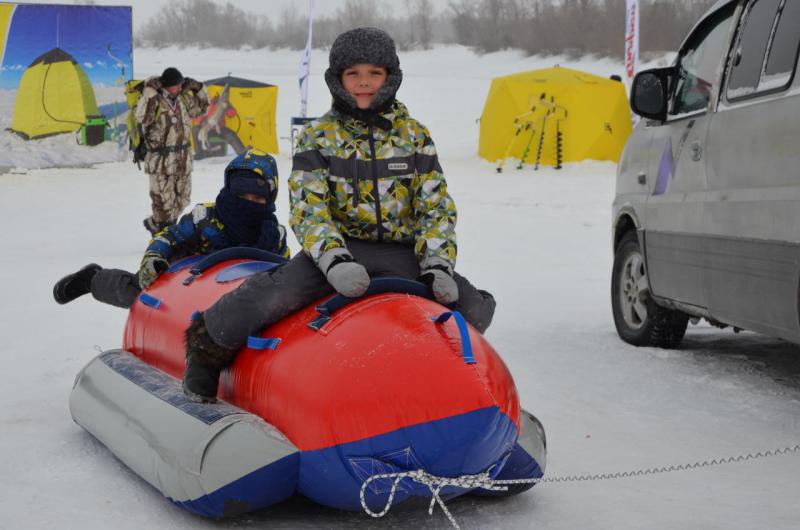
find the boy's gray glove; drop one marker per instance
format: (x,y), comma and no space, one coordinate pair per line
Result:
(440,279)
(348,277)
(151,268)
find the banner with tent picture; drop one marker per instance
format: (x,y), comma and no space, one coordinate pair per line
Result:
(63,70)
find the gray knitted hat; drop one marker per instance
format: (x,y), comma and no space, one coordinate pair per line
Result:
(363,45)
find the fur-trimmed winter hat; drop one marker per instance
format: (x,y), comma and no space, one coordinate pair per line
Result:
(363,45)
(171,77)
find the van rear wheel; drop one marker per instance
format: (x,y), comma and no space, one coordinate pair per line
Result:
(638,319)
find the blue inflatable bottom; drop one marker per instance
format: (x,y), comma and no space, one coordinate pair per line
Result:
(334,476)
(261,488)
(324,477)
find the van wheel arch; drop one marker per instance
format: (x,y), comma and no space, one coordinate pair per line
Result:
(637,317)
(625,223)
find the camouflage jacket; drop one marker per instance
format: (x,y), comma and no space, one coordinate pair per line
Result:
(167,125)
(373,184)
(199,232)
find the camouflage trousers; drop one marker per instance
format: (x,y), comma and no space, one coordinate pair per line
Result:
(170,195)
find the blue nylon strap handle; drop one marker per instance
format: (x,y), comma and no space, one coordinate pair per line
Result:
(318,322)
(150,301)
(184,263)
(242,270)
(262,343)
(376,286)
(466,344)
(236,253)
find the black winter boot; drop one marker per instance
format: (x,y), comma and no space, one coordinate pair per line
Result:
(204,361)
(200,382)
(76,284)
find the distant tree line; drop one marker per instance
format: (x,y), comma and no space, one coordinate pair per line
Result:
(573,27)
(205,23)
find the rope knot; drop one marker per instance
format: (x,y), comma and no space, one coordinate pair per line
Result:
(484,480)
(435,484)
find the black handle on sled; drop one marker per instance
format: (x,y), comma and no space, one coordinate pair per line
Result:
(376,286)
(219,256)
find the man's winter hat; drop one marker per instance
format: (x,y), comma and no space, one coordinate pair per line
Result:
(171,77)
(253,172)
(363,45)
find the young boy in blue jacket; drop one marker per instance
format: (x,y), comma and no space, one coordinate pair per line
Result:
(243,215)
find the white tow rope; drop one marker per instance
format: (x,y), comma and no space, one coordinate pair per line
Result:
(482,480)
(435,484)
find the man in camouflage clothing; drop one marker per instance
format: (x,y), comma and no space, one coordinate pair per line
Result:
(368,199)
(165,112)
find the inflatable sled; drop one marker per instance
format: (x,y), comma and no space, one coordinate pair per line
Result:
(342,401)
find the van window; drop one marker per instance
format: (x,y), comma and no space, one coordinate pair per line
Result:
(698,63)
(751,48)
(782,59)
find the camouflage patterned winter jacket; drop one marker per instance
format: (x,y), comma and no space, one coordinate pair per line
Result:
(372,184)
(167,125)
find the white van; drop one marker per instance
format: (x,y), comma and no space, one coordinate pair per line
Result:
(706,217)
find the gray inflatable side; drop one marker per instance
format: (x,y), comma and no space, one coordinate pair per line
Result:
(532,438)
(215,460)
(526,461)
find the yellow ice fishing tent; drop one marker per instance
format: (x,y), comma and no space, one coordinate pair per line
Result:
(54,96)
(554,115)
(254,102)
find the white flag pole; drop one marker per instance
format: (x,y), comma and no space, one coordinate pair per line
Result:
(305,64)
(631,39)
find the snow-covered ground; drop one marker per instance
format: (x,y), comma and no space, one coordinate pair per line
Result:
(62,149)
(540,241)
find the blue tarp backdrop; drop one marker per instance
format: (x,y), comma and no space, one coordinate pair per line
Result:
(87,33)
(64,67)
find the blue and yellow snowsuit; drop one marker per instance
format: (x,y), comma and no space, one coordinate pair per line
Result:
(198,232)
(201,232)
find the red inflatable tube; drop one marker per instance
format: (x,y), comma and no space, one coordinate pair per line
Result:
(378,377)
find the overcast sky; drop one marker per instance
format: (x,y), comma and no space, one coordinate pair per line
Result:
(144,9)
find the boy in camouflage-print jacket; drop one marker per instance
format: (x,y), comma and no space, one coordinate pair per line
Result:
(380,182)
(368,199)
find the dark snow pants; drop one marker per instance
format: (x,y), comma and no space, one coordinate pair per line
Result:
(116,287)
(267,297)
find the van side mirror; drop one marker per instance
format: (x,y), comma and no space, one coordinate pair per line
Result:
(650,93)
